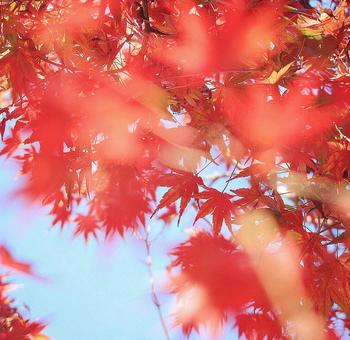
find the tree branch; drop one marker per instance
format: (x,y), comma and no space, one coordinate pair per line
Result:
(154,296)
(145,15)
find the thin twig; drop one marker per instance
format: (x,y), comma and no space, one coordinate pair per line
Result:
(210,162)
(154,295)
(230,178)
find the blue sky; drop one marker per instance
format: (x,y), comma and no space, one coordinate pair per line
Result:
(96,291)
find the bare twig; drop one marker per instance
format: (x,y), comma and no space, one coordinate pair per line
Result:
(210,162)
(154,295)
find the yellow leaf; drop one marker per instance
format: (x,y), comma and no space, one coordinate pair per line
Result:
(13,6)
(276,76)
(40,337)
(304,21)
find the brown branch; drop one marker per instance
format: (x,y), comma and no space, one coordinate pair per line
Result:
(145,15)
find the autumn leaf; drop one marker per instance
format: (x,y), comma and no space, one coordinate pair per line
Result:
(11,145)
(169,214)
(87,226)
(9,261)
(183,186)
(275,76)
(218,205)
(207,262)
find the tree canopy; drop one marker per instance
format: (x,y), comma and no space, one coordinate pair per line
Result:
(232,115)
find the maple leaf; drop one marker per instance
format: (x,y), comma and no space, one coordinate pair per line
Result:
(254,198)
(217,204)
(332,284)
(275,76)
(8,260)
(210,262)
(60,208)
(169,214)
(325,24)
(86,225)
(11,145)
(183,186)
(23,329)
(260,325)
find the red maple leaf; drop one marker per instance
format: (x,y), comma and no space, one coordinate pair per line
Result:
(86,225)
(219,205)
(8,260)
(183,186)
